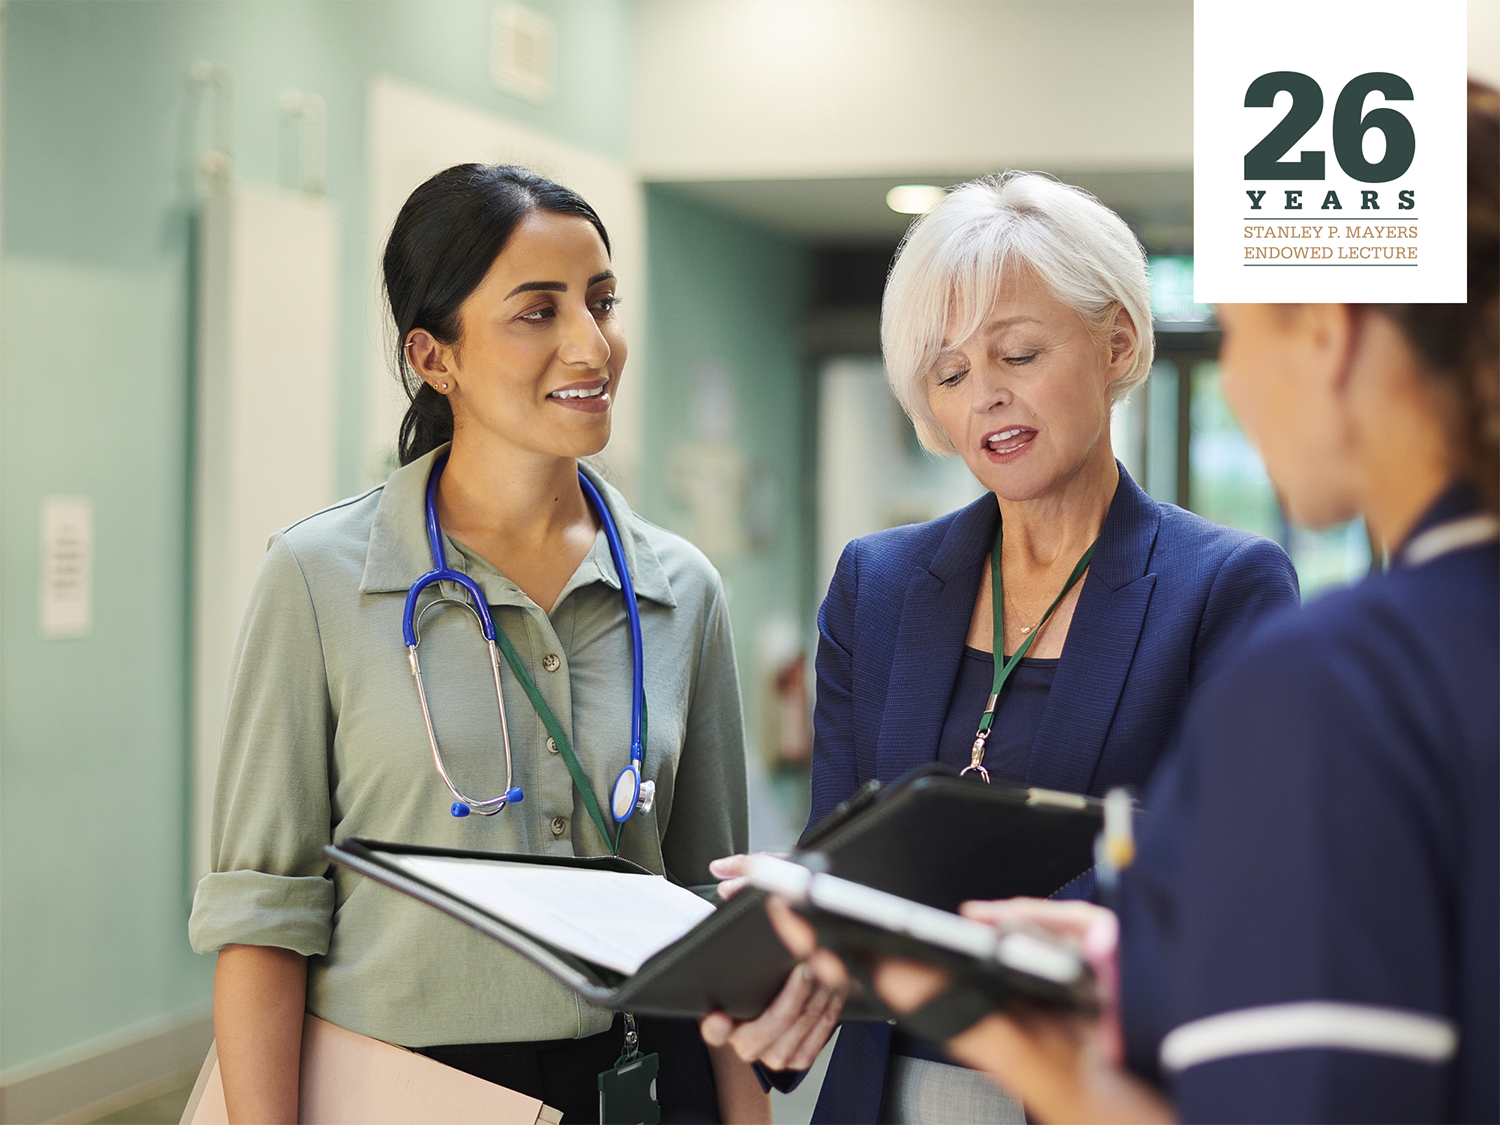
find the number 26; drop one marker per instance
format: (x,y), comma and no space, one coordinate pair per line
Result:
(1263,162)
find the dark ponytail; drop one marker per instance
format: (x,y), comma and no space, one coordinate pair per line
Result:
(447,235)
(1460,344)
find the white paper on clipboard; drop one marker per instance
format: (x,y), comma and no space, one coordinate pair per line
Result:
(611,918)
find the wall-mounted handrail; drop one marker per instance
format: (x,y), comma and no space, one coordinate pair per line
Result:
(215,165)
(310,111)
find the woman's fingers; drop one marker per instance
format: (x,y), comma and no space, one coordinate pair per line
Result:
(1066,919)
(795,931)
(808,1032)
(730,871)
(788,1034)
(731,887)
(753,1038)
(818,1032)
(801,940)
(830,971)
(727,866)
(1102,938)
(716,1028)
(795,1026)
(907,985)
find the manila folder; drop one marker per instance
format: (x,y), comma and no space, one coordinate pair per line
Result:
(351,1079)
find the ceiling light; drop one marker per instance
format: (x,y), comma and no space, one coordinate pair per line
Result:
(914,199)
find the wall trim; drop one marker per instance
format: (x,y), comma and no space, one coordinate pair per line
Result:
(107,1073)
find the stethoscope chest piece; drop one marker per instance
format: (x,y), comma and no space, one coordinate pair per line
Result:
(631,794)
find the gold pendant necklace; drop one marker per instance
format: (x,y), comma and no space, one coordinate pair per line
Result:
(1026,629)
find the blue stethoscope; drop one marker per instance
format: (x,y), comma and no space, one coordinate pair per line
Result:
(630,794)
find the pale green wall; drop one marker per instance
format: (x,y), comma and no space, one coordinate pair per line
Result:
(92,748)
(729,293)
(95,400)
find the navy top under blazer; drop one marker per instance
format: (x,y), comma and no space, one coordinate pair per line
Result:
(1167,593)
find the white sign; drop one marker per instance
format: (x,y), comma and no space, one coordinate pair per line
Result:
(1329,151)
(67,566)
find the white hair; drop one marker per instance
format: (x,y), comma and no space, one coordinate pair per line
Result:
(947,276)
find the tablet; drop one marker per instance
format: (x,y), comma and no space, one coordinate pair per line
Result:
(1012,967)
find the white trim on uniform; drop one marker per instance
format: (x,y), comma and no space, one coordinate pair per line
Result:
(1310,1025)
(1452,536)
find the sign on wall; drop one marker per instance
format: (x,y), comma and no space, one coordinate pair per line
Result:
(67,566)
(1329,151)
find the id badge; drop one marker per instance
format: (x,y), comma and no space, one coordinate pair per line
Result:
(627,1092)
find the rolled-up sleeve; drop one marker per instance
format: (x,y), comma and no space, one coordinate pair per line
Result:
(269,881)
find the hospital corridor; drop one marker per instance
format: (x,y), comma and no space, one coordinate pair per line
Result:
(208,333)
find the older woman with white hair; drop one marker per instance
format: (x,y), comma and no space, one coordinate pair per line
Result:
(1065,615)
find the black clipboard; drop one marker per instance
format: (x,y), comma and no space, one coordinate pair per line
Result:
(932,837)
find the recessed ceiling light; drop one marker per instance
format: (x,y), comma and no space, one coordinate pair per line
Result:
(914,199)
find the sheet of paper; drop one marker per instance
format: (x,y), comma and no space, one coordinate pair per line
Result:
(608,917)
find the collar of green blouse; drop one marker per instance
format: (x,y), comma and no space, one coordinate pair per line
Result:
(398,553)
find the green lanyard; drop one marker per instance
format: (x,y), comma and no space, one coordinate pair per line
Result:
(1003,667)
(560,740)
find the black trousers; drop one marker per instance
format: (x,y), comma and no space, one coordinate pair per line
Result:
(564,1073)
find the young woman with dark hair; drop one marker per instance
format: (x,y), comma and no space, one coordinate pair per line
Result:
(1310,931)
(511,352)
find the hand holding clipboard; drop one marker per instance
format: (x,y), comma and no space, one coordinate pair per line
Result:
(1023,956)
(1018,967)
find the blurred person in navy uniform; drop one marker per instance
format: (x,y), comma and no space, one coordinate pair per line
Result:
(1309,932)
(1016,317)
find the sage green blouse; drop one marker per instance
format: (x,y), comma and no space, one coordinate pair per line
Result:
(324,739)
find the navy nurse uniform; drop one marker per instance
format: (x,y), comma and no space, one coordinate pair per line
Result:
(1166,595)
(1310,930)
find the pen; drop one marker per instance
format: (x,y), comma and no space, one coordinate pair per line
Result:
(1114,849)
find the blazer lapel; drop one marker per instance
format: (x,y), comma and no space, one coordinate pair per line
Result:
(1101,645)
(935,617)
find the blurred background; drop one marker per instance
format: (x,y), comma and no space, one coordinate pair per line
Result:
(193,197)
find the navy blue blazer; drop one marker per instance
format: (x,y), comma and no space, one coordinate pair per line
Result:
(1166,595)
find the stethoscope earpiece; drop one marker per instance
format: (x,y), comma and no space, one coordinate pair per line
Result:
(513,796)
